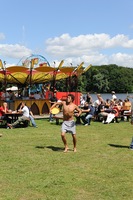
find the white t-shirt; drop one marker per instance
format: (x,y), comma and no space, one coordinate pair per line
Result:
(25,111)
(96,103)
(114,96)
(82,102)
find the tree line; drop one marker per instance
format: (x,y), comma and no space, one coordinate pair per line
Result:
(100,79)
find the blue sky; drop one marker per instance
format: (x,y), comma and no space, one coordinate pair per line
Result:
(96,32)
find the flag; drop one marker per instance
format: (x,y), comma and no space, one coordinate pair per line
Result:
(87,68)
(35,61)
(61,63)
(43,64)
(1,64)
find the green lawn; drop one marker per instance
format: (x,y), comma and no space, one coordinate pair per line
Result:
(34,167)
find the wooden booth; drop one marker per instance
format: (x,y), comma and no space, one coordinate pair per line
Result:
(38,106)
(41,106)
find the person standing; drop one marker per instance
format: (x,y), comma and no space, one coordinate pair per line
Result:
(82,102)
(68,125)
(11,95)
(89,98)
(114,97)
(5,96)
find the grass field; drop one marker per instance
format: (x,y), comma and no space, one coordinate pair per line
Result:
(34,167)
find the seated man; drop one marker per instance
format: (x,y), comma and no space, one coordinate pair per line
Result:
(114,113)
(89,113)
(3,110)
(103,112)
(24,118)
(126,109)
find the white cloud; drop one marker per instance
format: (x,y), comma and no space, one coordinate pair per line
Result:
(14,51)
(120,41)
(85,43)
(88,48)
(122,59)
(95,49)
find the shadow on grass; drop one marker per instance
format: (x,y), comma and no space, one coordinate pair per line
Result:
(55,148)
(51,147)
(118,146)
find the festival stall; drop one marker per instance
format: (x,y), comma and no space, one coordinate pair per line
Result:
(35,69)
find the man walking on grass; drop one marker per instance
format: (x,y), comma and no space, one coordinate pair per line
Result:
(68,125)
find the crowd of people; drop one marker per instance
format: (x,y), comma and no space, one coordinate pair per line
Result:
(17,93)
(101,110)
(105,111)
(12,95)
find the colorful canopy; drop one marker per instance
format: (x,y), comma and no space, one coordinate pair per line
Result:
(34,71)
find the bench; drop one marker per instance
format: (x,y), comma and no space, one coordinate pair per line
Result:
(120,116)
(2,122)
(59,117)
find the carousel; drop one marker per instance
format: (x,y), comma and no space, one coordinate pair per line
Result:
(33,70)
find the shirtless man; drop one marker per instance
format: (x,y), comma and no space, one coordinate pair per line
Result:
(68,124)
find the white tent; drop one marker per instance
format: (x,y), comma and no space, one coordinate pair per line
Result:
(13,88)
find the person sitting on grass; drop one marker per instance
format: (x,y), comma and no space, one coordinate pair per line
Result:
(24,118)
